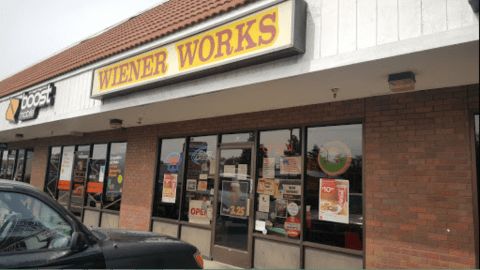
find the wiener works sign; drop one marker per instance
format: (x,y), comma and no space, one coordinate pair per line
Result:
(276,32)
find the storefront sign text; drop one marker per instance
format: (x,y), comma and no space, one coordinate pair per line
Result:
(260,34)
(26,107)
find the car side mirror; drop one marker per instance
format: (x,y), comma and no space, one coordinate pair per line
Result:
(79,242)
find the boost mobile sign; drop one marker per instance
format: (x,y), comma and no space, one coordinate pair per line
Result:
(26,107)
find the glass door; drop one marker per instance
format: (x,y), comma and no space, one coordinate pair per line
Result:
(28,166)
(232,236)
(79,177)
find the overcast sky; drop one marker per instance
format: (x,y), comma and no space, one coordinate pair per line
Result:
(32,30)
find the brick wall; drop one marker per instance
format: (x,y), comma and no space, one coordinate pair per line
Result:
(419,180)
(418,169)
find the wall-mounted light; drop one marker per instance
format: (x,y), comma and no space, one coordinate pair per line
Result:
(402,82)
(116,123)
(335,92)
(18,137)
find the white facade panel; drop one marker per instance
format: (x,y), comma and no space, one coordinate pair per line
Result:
(434,16)
(366,23)
(329,28)
(347,26)
(459,14)
(410,19)
(387,24)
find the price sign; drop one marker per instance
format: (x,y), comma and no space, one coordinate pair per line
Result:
(237,211)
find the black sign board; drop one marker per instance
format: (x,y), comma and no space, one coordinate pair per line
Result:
(3,146)
(26,106)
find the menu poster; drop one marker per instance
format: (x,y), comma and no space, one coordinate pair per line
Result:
(169,193)
(264,203)
(234,199)
(269,168)
(203,176)
(242,171)
(290,165)
(202,185)
(270,186)
(200,212)
(192,185)
(66,168)
(261,186)
(229,171)
(212,167)
(334,200)
(116,173)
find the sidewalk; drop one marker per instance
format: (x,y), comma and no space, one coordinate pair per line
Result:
(217,265)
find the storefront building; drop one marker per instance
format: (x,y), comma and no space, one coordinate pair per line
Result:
(269,134)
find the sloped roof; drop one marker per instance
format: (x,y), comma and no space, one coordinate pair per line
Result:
(146,27)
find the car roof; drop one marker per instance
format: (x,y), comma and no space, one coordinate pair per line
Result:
(19,186)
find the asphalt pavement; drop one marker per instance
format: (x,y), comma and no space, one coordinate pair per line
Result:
(217,265)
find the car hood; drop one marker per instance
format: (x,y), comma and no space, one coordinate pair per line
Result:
(137,249)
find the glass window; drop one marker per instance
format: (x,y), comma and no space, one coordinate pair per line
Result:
(28,167)
(96,175)
(238,138)
(28,224)
(3,169)
(200,185)
(116,174)
(53,171)
(11,164)
(334,196)
(77,199)
(20,164)
(278,201)
(169,179)
(66,175)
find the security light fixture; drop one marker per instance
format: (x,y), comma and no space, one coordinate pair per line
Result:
(18,137)
(402,82)
(116,123)
(335,92)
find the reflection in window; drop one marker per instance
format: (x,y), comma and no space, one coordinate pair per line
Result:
(238,138)
(29,224)
(170,179)
(28,166)
(96,175)
(334,186)
(279,188)
(4,162)
(10,168)
(53,171)
(200,183)
(116,174)
(20,163)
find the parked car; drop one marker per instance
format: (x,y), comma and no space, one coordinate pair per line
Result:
(37,232)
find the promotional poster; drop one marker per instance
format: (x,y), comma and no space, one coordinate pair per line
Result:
(334,200)
(234,199)
(169,193)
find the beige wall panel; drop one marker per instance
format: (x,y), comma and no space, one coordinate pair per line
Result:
(434,16)
(200,238)
(275,255)
(410,19)
(165,228)
(322,259)
(109,221)
(366,23)
(91,218)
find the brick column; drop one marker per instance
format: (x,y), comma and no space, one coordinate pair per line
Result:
(135,211)
(419,210)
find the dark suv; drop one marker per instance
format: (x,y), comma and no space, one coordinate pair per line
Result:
(37,232)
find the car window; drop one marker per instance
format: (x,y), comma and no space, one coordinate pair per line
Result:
(29,224)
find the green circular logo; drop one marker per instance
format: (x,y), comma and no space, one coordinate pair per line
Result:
(334,158)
